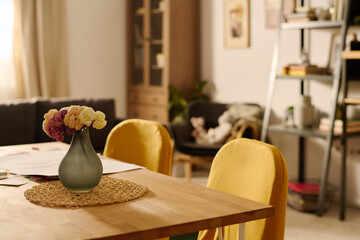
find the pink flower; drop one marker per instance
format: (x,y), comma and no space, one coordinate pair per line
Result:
(55,126)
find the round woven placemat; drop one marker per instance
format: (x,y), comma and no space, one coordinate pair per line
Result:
(109,190)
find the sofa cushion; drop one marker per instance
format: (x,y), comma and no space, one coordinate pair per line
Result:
(98,137)
(17,122)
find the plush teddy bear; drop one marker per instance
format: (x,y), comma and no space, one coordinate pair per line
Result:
(199,132)
(219,134)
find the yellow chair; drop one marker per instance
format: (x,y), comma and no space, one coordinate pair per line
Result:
(257,171)
(142,142)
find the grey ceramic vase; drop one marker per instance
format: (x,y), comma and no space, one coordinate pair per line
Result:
(81,169)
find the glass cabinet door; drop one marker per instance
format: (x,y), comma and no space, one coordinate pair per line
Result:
(138,42)
(157,58)
(147,44)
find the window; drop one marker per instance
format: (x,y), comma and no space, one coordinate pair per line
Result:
(7,73)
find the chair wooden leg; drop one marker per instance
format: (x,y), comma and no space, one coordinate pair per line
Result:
(189,161)
(220,233)
(241,231)
(188,170)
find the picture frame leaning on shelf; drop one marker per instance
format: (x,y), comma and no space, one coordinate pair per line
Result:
(272,9)
(335,47)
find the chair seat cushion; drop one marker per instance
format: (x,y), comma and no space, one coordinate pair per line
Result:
(199,150)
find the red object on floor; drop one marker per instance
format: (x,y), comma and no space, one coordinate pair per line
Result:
(304,188)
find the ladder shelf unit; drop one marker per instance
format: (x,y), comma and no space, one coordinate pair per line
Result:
(335,79)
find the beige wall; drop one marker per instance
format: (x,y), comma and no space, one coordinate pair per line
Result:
(97,59)
(98,68)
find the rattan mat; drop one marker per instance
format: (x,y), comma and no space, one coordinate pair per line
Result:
(109,190)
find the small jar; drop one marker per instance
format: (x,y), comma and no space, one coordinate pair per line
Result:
(304,113)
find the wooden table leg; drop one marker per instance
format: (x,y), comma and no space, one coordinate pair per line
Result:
(188,171)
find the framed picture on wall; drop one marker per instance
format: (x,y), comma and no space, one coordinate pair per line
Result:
(236,23)
(272,10)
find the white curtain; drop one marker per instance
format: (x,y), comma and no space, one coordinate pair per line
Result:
(7,74)
(40,48)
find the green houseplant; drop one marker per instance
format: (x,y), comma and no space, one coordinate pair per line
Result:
(178,103)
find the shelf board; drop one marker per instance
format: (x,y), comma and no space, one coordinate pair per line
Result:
(156,67)
(313,132)
(156,11)
(138,68)
(140,11)
(352,101)
(157,41)
(350,54)
(325,78)
(312,24)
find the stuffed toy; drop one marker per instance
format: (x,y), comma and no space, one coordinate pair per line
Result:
(199,132)
(217,135)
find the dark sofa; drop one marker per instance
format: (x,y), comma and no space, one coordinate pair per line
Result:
(21,120)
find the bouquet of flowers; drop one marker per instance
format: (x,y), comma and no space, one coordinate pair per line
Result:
(71,119)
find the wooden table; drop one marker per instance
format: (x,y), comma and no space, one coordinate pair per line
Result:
(171,207)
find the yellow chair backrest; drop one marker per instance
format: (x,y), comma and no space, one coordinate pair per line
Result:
(253,170)
(142,142)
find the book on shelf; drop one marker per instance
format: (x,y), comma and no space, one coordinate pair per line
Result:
(339,122)
(302,9)
(304,196)
(297,202)
(138,35)
(302,70)
(301,15)
(352,126)
(138,57)
(299,20)
(140,10)
(304,188)
(305,203)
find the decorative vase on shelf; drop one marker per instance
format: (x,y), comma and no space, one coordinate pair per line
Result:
(81,169)
(304,113)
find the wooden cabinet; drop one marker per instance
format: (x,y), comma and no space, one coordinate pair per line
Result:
(163,49)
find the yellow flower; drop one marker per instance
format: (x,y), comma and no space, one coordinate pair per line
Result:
(51,113)
(99,122)
(87,116)
(72,119)
(47,116)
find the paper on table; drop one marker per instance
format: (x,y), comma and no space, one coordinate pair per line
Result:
(47,163)
(14,180)
(9,151)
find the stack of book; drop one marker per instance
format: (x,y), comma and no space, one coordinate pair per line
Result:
(352,126)
(301,15)
(304,196)
(302,70)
